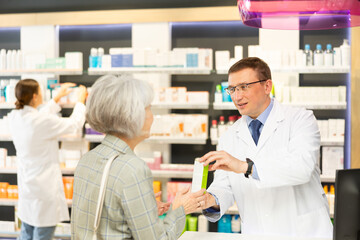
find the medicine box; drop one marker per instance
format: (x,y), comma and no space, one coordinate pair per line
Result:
(200,175)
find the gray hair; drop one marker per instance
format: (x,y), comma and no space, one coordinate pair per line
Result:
(117,105)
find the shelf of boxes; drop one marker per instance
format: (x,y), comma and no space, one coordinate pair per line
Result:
(17,234)
(68,138)
(180,106)
(12,105)
(41,71)
(324,142)
(312,106)
(327,179)
(165,140)
(14,202)
(301,70)
(168,70)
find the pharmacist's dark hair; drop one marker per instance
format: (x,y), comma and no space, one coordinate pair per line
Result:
(257,64)
(24,92)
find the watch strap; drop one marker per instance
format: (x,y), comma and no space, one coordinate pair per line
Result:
(249,169)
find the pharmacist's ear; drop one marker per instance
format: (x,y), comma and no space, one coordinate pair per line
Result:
(268,86)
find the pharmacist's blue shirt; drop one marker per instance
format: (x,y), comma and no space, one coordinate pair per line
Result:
(262,118)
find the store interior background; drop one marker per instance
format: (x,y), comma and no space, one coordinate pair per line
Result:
(204,26)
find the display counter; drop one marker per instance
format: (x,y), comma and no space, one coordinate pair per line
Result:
(234,236)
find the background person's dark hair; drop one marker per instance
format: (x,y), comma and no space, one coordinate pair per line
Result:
(257,64)
(24,92)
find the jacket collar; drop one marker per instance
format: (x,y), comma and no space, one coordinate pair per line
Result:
(276,116)
(117,144)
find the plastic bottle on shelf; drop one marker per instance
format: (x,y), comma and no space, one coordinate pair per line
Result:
(345,53)
(318,56)
(93,58)
(235,224)
(8,60)
(2,59)
(157,160)
(218,95)
(329,56)
(308,56)
(332,199)
(19,59)
(231,121)
(13,59)
(224,224)
(214,130)
(100,54)
(203,224)
(221,127)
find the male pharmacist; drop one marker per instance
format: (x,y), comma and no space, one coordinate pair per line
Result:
(267,162)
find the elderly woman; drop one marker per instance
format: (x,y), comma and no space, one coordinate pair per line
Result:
(120,108)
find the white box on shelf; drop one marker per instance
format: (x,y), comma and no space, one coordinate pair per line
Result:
(200,175)
(332,128)
(7,226)
(238,52)
(342,94)
(74,60)
(222,59)
(332,159)
(340,129)
(197,97)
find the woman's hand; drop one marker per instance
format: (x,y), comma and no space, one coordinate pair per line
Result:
(190,201)
(82,94)
(161,206)
(64,91)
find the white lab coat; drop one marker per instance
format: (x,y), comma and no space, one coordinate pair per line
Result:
(41,193)
(288,199)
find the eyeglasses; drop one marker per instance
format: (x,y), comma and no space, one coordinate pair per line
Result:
(241,87)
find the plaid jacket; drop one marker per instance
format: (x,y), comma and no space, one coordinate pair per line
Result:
(130,210)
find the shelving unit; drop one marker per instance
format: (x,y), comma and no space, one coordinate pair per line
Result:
(302,70)
(186,174)
(324,142)
(17,234)
(164,140)
(180,106)
(168,70)
(13,202)
(63,72)
(311,106)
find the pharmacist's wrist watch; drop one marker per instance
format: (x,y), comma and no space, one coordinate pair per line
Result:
(249,169)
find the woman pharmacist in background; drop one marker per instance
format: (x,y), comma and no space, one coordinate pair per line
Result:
(120,108)
(35,132)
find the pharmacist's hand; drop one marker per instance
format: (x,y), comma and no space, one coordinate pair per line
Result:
(161,206)
(82,94)
(224,161)
(65,89)
(190,201)
(210,202)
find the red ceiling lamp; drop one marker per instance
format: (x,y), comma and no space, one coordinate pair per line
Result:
(300,14)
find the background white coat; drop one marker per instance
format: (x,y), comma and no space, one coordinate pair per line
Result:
(41,193)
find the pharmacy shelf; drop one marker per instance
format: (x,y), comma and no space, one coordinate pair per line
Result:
(324,142)
(12,105)
(301,70)
(172,174)
(67,171)
(332,142)
(327,179)
(311,106)
(7,105)
(68,138)
(5,138)
(41,71)
(14,202)
(186,174)
(162,140)
(168,70)
(180,106)
(4,234)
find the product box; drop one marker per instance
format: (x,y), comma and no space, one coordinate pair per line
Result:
(73,60)
(332,159)
(200,175)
